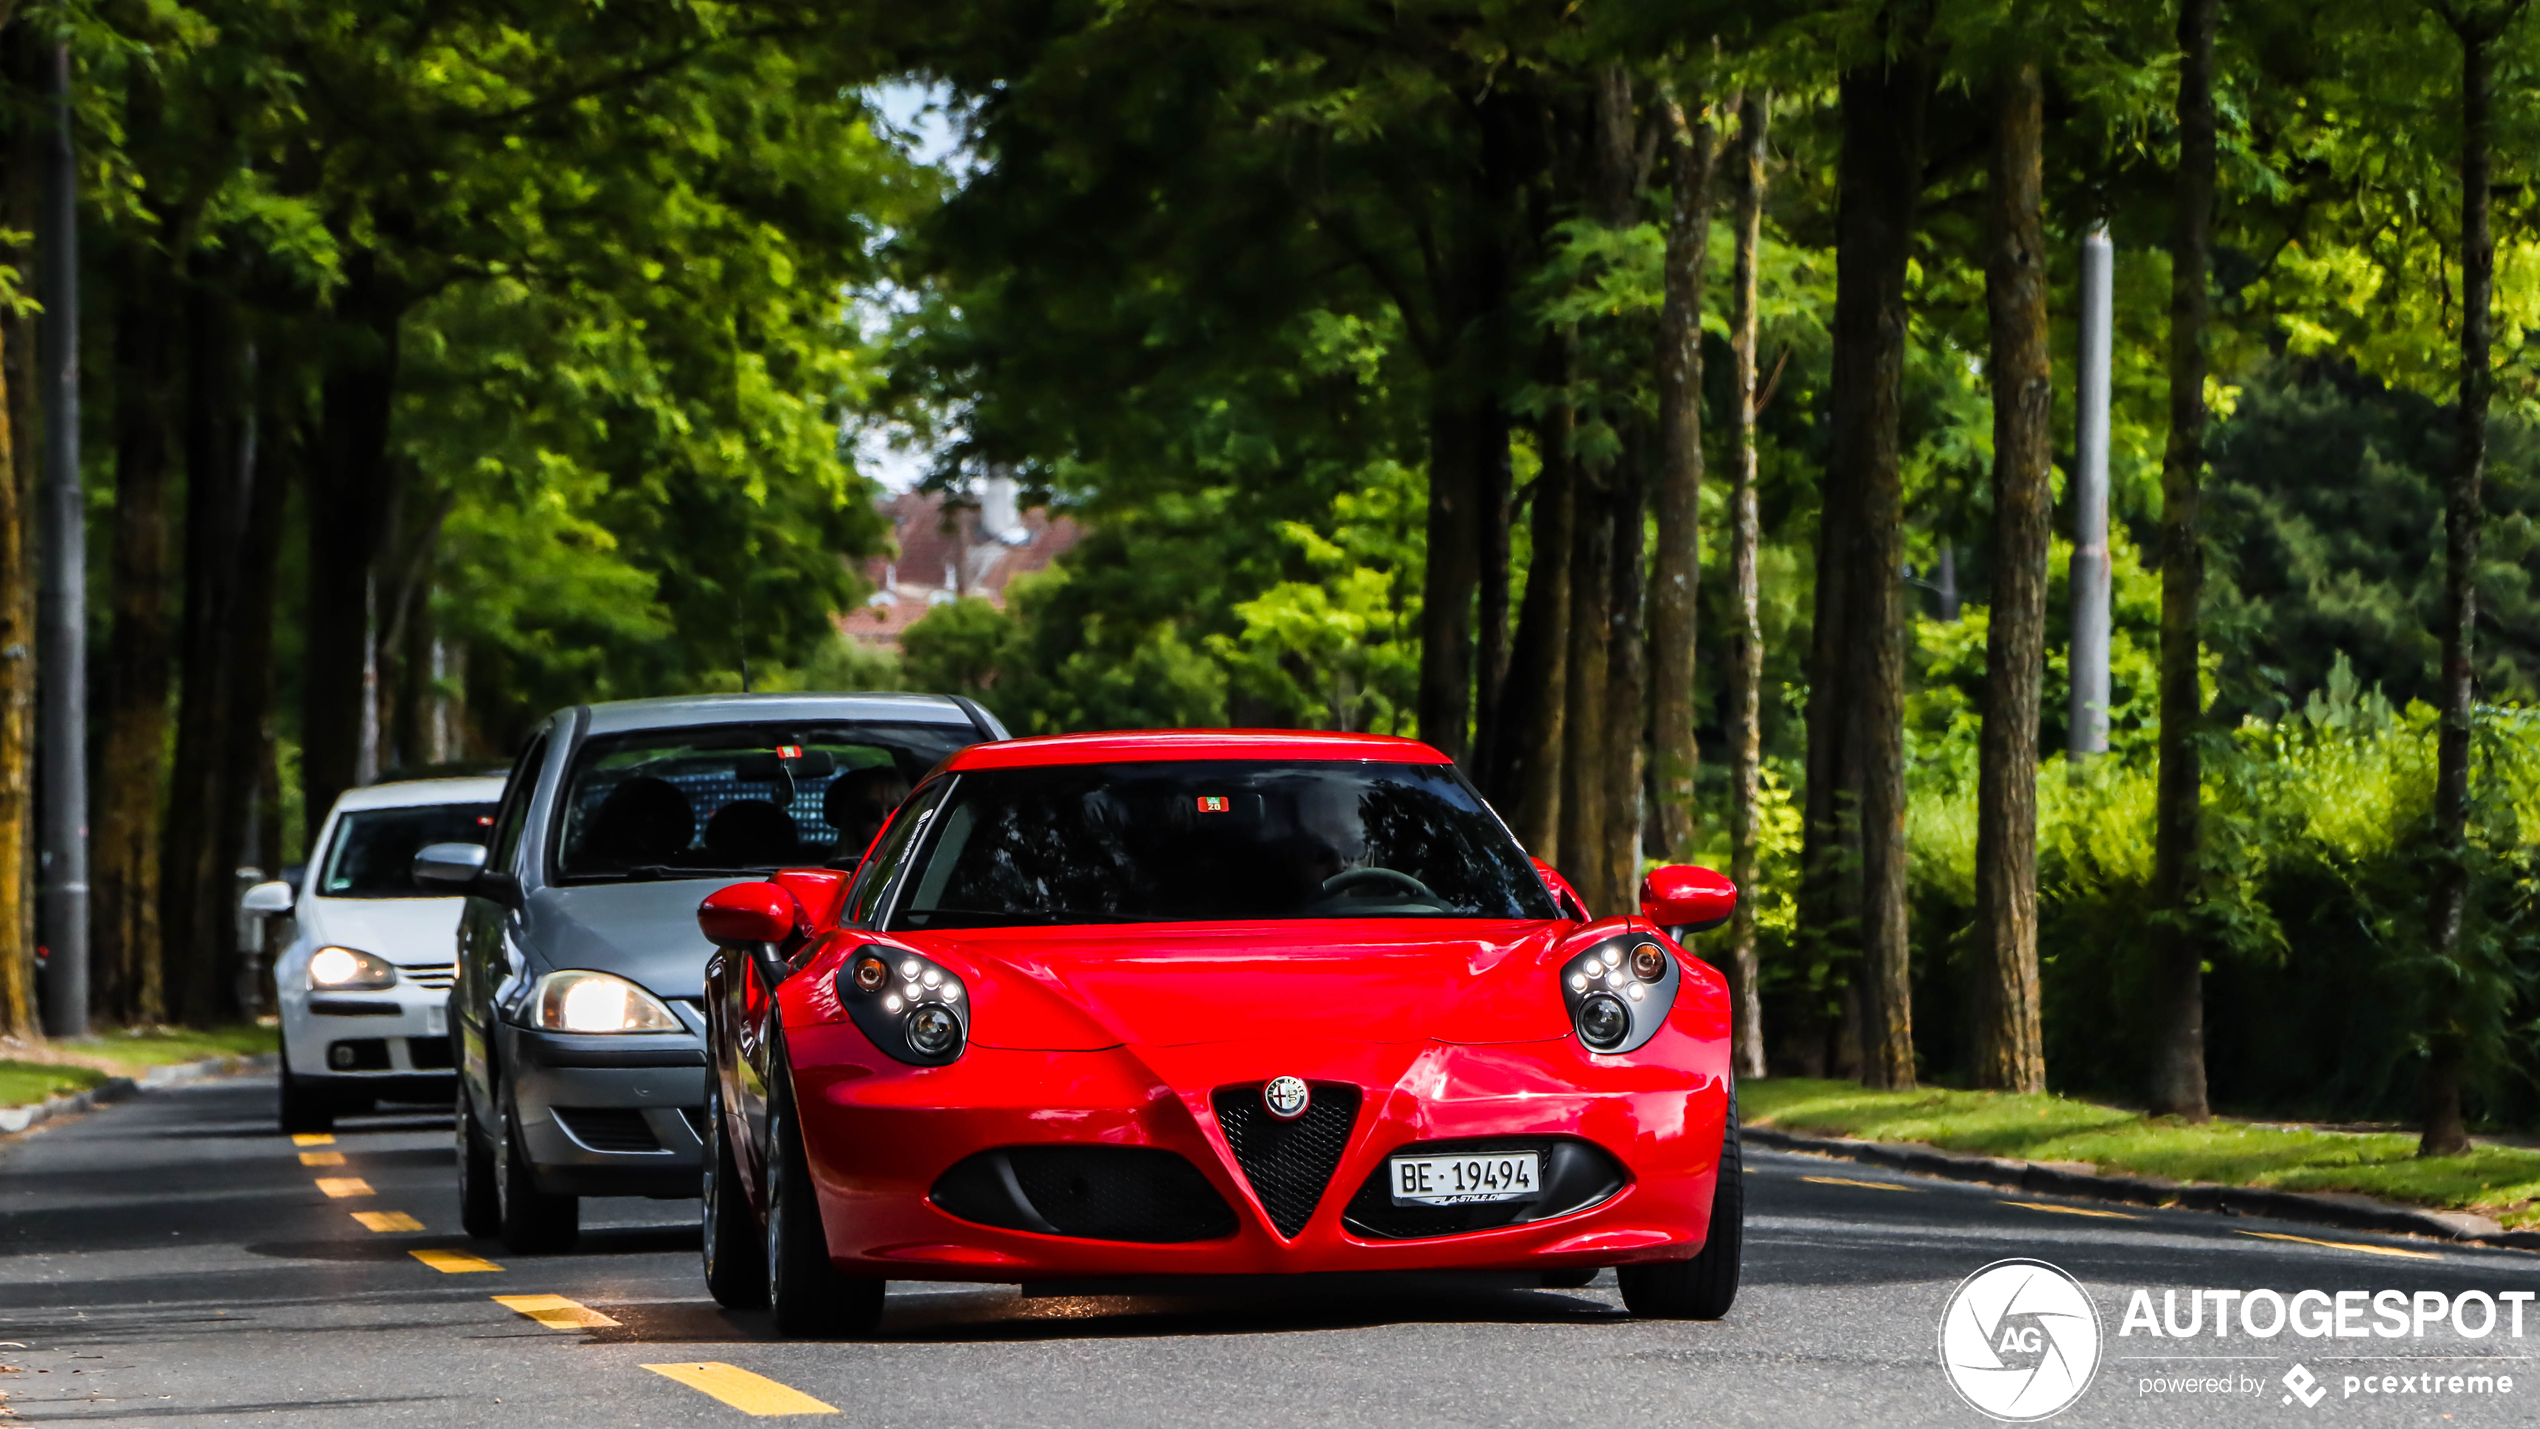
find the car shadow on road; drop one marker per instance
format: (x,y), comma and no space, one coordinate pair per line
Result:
(997,1313)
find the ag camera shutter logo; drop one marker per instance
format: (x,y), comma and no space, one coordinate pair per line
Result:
(2020,1340)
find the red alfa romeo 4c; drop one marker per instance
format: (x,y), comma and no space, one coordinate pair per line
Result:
(1125,1007)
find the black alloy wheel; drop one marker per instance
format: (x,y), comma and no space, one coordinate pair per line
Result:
(529,1221)
(1704,1287)
(735,1251)
(810,1298)
(306,1108)
(480,1203)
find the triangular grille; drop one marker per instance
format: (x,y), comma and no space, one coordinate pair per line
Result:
(1288,1162)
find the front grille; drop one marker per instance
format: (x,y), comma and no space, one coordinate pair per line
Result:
(436,976)
(428,1054)
(1125,1193)
(1575,1175)
(609,1128)
(351,1007)
(1288,1162)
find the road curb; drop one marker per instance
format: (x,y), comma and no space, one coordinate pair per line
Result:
(2083,1181)
(114,1089)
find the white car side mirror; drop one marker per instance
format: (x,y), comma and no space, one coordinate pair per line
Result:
(274,897)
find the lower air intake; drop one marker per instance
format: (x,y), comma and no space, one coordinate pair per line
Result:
(608,1128)
(1126,1193)
(1288,1162)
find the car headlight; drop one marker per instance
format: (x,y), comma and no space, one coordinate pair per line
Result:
(582,1001)
(1619,991)
(334,969)
(916,1010)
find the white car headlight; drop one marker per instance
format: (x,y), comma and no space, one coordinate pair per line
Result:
(581,1001)
(334,969)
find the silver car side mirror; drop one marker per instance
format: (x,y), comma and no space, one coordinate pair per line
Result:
(451,866)
(273,897)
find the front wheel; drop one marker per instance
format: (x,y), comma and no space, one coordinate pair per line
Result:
(531,1222)
(305,1107)
(805,1290)
(1704,1287)
(480,1204)
(736,1256)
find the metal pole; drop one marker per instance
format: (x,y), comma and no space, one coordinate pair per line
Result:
(62,620)
(2090,574)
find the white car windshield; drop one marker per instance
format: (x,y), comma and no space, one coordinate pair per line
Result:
(374,850)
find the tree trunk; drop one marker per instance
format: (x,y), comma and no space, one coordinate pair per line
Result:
(2010,1046)
(249,690)
(1626,700)
(196,858)
(1490,618)
(1528,777)
(352,486)
(17,599)
(1746,650)
(1880,176)
(1675,580)
(2178,1053)
(1583,793)
(2445,1132)
(131,763)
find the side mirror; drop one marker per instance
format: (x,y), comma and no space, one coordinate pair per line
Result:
(748,913)
(1684,899)
(449,866)
(274,897)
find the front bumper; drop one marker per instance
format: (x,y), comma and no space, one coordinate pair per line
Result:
(613,1115)
(880,1135)
(393,1043)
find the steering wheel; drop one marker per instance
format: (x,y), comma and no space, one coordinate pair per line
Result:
(1342,882)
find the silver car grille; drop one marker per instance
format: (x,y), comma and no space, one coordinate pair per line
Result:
(436,976)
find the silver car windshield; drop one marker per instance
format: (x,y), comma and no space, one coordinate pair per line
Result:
(374,850)
(724,799)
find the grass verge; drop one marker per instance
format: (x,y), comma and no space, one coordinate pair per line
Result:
(2498,1181)
(25,1083)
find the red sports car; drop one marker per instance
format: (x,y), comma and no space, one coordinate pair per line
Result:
(1123,1007)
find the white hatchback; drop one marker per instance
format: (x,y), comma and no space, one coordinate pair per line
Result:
(364,976)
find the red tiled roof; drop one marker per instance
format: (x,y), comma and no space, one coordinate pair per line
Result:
(942,555)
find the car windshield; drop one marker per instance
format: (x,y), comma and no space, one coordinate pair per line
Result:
(374,851)
(1216,840)
(705,800)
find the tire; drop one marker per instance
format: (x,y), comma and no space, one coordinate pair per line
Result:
(1704,1287)
(304,1106)
(810,1298)
(735,1245)
(480,1204)
(529,1221)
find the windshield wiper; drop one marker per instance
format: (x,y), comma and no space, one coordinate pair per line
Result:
(650,872)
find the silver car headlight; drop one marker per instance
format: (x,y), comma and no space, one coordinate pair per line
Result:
(333,969)
(578,1000)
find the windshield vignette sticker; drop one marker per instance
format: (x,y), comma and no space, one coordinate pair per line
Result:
(1213,804)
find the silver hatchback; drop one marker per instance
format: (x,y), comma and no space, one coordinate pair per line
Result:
(577,1016)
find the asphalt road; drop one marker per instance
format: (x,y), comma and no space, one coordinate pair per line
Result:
(172,1261)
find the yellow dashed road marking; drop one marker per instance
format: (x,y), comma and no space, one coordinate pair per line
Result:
(1864,1185)
(387,1221)
(311,1138)
(345,1186)
(747,1392)
(321,1158)
(453,1262)
(2347,1245)
(2071,1210)
(554,1311)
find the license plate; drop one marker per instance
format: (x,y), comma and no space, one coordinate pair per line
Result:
(1463,1180)
(436,1020)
